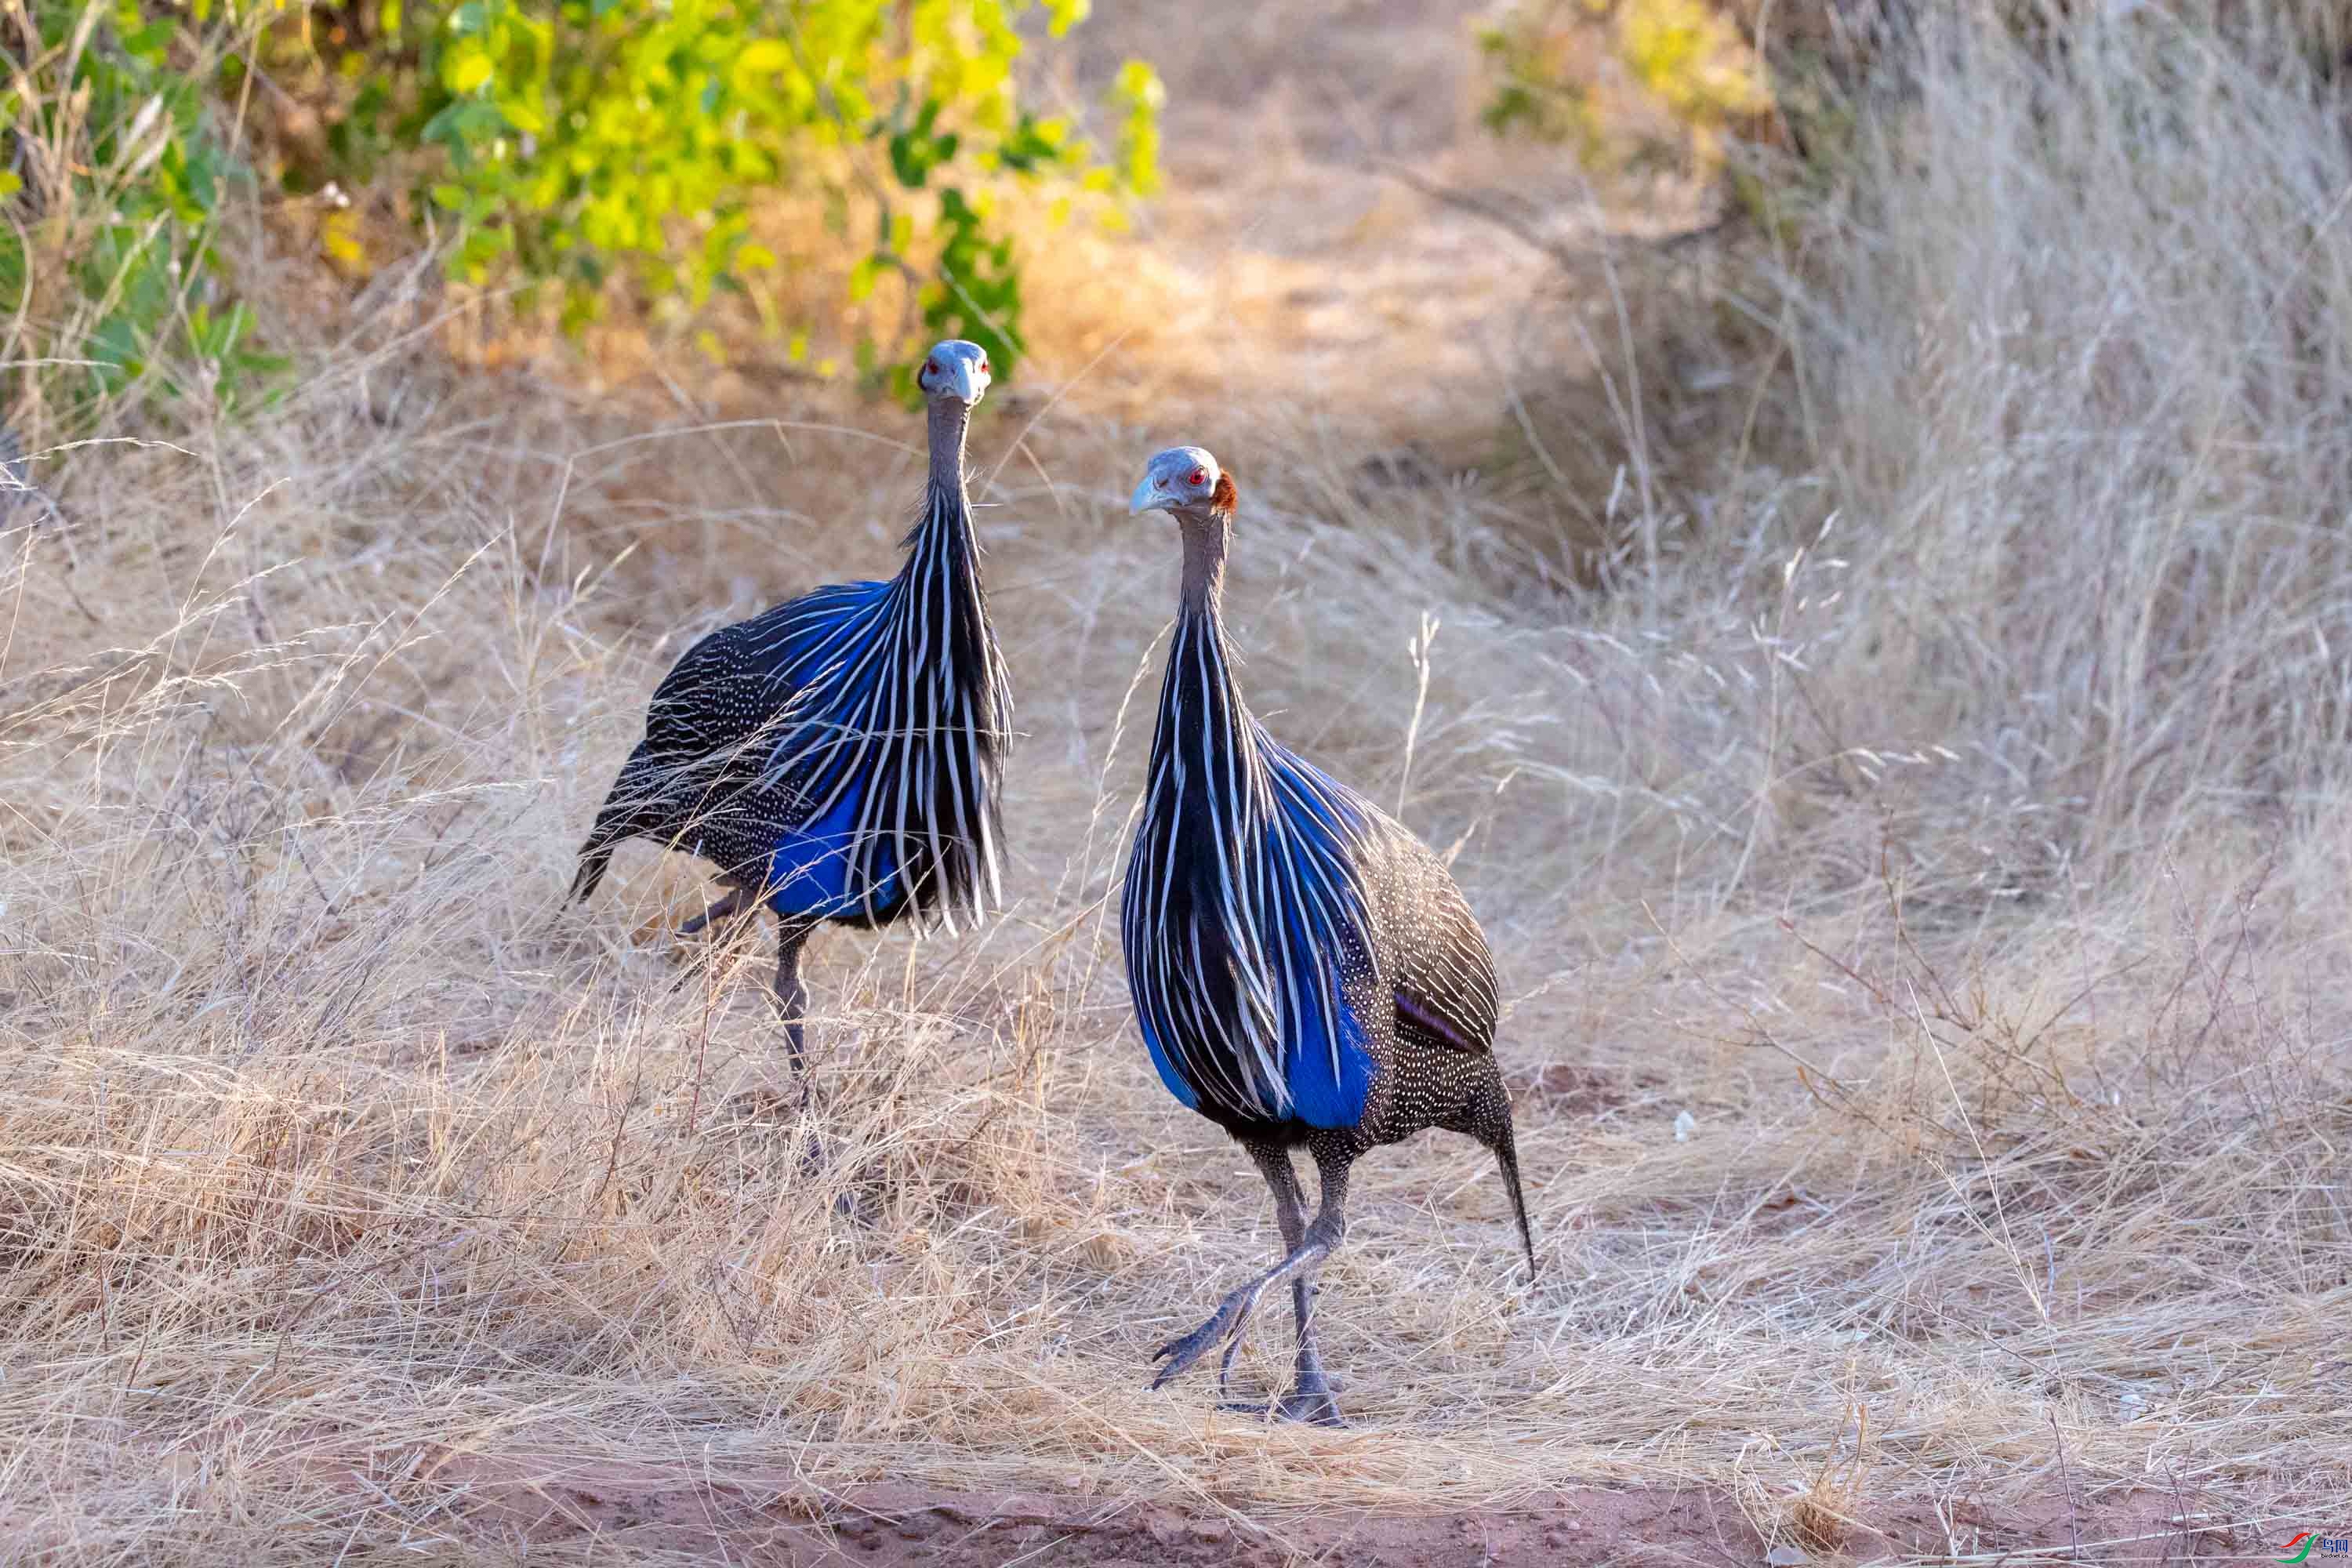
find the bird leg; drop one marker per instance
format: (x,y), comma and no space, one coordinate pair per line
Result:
(1311,1399)
(732,904)
(1290,1216)
(791,999)
(791,1006)
(1233,1314)
(741,900)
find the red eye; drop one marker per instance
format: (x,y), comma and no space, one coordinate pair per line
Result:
(931,367)
(1197,477)
(983,367)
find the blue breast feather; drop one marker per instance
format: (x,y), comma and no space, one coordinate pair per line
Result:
(1314,923)
(809,869)
(829,651)
(1313,845)
(821,630)
(1178,1084)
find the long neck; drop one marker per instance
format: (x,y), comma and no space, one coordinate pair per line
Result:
(1204,723)
(1207,538)
(939,597)
(941,541)
(949,420)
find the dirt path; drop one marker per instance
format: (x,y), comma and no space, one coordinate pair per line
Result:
(642,1512)
(1313,274)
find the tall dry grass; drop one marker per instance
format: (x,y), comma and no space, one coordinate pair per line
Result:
(1921,931)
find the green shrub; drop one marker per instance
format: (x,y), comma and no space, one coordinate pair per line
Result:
(617,150)
(590,152)
(1628,81)
(111,194)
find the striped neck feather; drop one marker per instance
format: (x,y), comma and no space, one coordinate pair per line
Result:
(943,532)
(937,627)
(1206,731)
(903,724)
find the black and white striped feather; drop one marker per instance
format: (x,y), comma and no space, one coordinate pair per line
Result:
(1282,933)
(843,751)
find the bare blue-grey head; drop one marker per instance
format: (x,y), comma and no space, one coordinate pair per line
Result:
(953,377)
(1179,479)
(1187,483)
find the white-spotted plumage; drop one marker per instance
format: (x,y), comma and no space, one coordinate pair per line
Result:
(842,752)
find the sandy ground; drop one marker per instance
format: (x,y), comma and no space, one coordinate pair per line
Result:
(776,1521)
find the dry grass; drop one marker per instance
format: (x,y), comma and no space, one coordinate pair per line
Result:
(1969,874)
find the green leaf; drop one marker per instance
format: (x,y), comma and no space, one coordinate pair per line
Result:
(607,153)
(464,71)
(864,276)
(763,56)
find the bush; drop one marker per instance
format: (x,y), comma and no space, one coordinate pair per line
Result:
(2059,347)
(1627,81)
(615,151)
(113,191)
(583,155)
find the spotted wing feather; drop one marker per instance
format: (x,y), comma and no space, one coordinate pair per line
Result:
(693,782)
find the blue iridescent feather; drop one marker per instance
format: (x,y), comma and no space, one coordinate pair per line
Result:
(810,869)
(838,755)
(1246,912)
(1328,1068)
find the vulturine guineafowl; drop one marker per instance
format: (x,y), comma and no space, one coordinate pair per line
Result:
(838,756)
(1305,971)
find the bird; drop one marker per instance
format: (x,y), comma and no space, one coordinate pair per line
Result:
(839,756)
(1305,972)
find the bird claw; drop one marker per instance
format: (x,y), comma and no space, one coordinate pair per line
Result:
(726,908)
(1314,1408)
(1228,1320)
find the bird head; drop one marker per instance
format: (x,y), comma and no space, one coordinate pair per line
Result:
(954,369)
(1184,480)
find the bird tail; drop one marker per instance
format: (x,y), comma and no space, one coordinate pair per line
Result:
(615,823)
(1506,1154)
(595,856)
(1491,1124)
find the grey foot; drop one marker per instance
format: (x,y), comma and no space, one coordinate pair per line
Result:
(787,1105)
(1315,1408)
(734,902)
(815,1161)
(1227,1322)
(772,1104)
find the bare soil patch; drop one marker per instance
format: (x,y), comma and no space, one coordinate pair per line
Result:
(651,1510)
